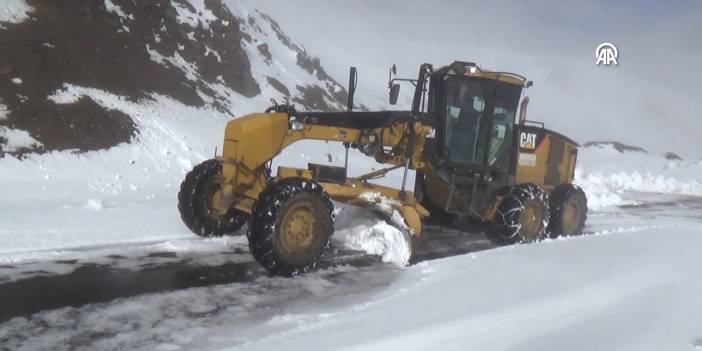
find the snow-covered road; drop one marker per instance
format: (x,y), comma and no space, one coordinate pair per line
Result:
(632,283)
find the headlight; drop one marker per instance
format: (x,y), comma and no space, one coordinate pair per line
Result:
(296,125)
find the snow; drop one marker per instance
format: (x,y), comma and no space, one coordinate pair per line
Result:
(633,274)
(632,283)
(14,11)
(116,9)
(190,69)
(3,112)
(575,294)
(604,173)
(199,15)
(139,180)
(17,80)
(572,294)
(16,138)
(362,230)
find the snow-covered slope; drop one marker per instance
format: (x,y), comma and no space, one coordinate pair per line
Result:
(199,53)
(127,193)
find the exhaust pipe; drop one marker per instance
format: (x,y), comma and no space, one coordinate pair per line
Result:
(353,79)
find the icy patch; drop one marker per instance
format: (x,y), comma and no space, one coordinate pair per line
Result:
(17,139)
(132,256)
(359,229)
(14,11)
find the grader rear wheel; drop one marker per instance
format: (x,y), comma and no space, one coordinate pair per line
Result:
(291,226)
(568,210)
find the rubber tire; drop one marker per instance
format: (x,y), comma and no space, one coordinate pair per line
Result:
(506,228)
(193,207)
(269,210)
(560,196)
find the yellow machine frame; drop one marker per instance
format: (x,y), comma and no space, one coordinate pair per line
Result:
(244,175)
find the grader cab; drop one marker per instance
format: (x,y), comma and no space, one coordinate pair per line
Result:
(466,136)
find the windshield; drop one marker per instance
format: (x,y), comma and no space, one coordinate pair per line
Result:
(465,107)
(470,104)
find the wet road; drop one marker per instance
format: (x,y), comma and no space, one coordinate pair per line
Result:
(164,271)
(87,283)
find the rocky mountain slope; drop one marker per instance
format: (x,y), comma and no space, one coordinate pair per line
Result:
(201,53)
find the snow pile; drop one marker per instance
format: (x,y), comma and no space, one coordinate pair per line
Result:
(14,11)
(362,230)
(605,173)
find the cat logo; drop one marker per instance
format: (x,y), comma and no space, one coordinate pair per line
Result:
(527,140)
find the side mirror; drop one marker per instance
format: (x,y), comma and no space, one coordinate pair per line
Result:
(393,71)
(394,93)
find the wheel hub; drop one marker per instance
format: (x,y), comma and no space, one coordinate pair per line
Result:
(531,220)
(571,217)
(298,228)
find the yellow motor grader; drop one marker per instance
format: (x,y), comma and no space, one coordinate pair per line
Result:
(466,135)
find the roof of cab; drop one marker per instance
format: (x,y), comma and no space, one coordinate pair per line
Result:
(470,69)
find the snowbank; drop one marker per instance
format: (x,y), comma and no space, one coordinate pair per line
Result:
(605,173)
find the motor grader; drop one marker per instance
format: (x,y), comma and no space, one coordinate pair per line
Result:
(466,135)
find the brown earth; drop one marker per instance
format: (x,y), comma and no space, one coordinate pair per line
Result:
(81,43)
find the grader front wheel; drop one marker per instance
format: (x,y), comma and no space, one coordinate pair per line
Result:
(522,216)
(291,226)
(195,203)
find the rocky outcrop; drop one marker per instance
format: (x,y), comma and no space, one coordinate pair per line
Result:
(195,51)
